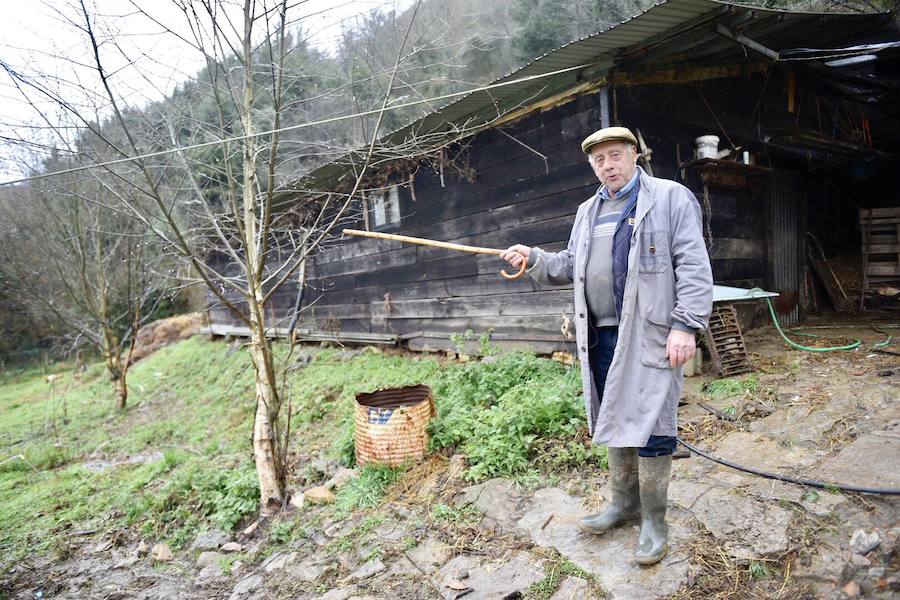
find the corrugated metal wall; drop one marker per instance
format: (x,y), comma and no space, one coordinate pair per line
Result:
(785,245)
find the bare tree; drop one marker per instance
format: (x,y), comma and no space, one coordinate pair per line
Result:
(80,267)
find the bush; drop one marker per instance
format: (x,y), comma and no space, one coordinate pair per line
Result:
(190,495)
(559,455)
(344,445)
(229,496)
(496,411)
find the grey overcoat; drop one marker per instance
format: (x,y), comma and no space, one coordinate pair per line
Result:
(669,279)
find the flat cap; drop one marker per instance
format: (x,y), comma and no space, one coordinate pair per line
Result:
(608,134)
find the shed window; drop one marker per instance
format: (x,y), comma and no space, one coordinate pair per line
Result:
(385,206)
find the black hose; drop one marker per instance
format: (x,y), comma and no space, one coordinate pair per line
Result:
(788,478)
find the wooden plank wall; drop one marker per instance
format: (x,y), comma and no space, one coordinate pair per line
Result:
(381,286)
(513,199)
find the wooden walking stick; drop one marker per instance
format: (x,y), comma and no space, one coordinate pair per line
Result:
(437,244)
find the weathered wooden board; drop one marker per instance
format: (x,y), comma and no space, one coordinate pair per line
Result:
(737,248)
(433,343)
(553,304)
(378,260)
(883,269)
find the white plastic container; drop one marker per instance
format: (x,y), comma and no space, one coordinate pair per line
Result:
(707,146)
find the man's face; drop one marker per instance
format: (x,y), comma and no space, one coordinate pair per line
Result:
(614,163)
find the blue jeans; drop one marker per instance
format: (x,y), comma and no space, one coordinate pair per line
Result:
(601,346)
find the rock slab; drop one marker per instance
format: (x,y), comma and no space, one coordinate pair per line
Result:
(278,561)
(478,579)
(318,495)
(498,498)
(367,570)
(745,526)
(209,558)
(553,522)
(572,588)
(245,586)
(870,461)
(863,542)
(161,553)
(211,539)
(430,554)
(309,570)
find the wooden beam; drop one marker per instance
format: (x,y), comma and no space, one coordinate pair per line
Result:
(547,103)
(747,42)
(688,75)
(791,82)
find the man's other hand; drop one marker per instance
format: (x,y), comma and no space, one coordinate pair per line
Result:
(680,347)
(515,255)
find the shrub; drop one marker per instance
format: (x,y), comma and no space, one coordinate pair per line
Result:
(223,496)
(496,411)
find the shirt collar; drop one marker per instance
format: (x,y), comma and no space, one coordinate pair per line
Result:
(623,193)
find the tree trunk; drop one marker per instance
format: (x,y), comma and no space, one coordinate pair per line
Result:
(271,495)
(116,367)
(121,392)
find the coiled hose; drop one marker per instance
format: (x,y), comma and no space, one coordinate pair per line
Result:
(794,344)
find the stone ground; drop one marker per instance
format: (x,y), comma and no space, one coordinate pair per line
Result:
(830,417)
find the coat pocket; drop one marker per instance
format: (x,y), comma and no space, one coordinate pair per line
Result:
(653,345)
(654,252)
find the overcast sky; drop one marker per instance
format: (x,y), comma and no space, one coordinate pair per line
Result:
(41,36)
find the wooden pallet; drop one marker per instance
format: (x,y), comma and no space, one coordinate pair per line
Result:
(726,342)
(880,246)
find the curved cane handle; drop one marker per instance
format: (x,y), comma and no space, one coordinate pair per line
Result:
(517,275)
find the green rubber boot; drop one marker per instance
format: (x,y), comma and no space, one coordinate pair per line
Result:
(625,503)
(654,473)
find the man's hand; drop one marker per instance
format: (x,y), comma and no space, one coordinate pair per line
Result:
(515,255)
(680,347)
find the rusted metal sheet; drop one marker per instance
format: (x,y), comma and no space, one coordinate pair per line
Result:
(785,243)
(391,424)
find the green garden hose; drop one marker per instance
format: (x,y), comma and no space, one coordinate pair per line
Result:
(886,342)
(794,344)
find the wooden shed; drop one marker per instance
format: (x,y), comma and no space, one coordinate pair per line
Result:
(806,103)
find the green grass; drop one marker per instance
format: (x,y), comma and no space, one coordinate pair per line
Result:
(733,386)
(452,514)
(186,429)
(366,490)
(556,569)
(179,459)
(759,570)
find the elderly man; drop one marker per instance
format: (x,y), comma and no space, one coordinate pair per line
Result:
(643,287)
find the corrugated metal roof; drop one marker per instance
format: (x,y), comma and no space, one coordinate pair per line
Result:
(626,41)
(661,18)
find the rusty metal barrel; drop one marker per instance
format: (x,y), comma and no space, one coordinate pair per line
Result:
(391,425)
